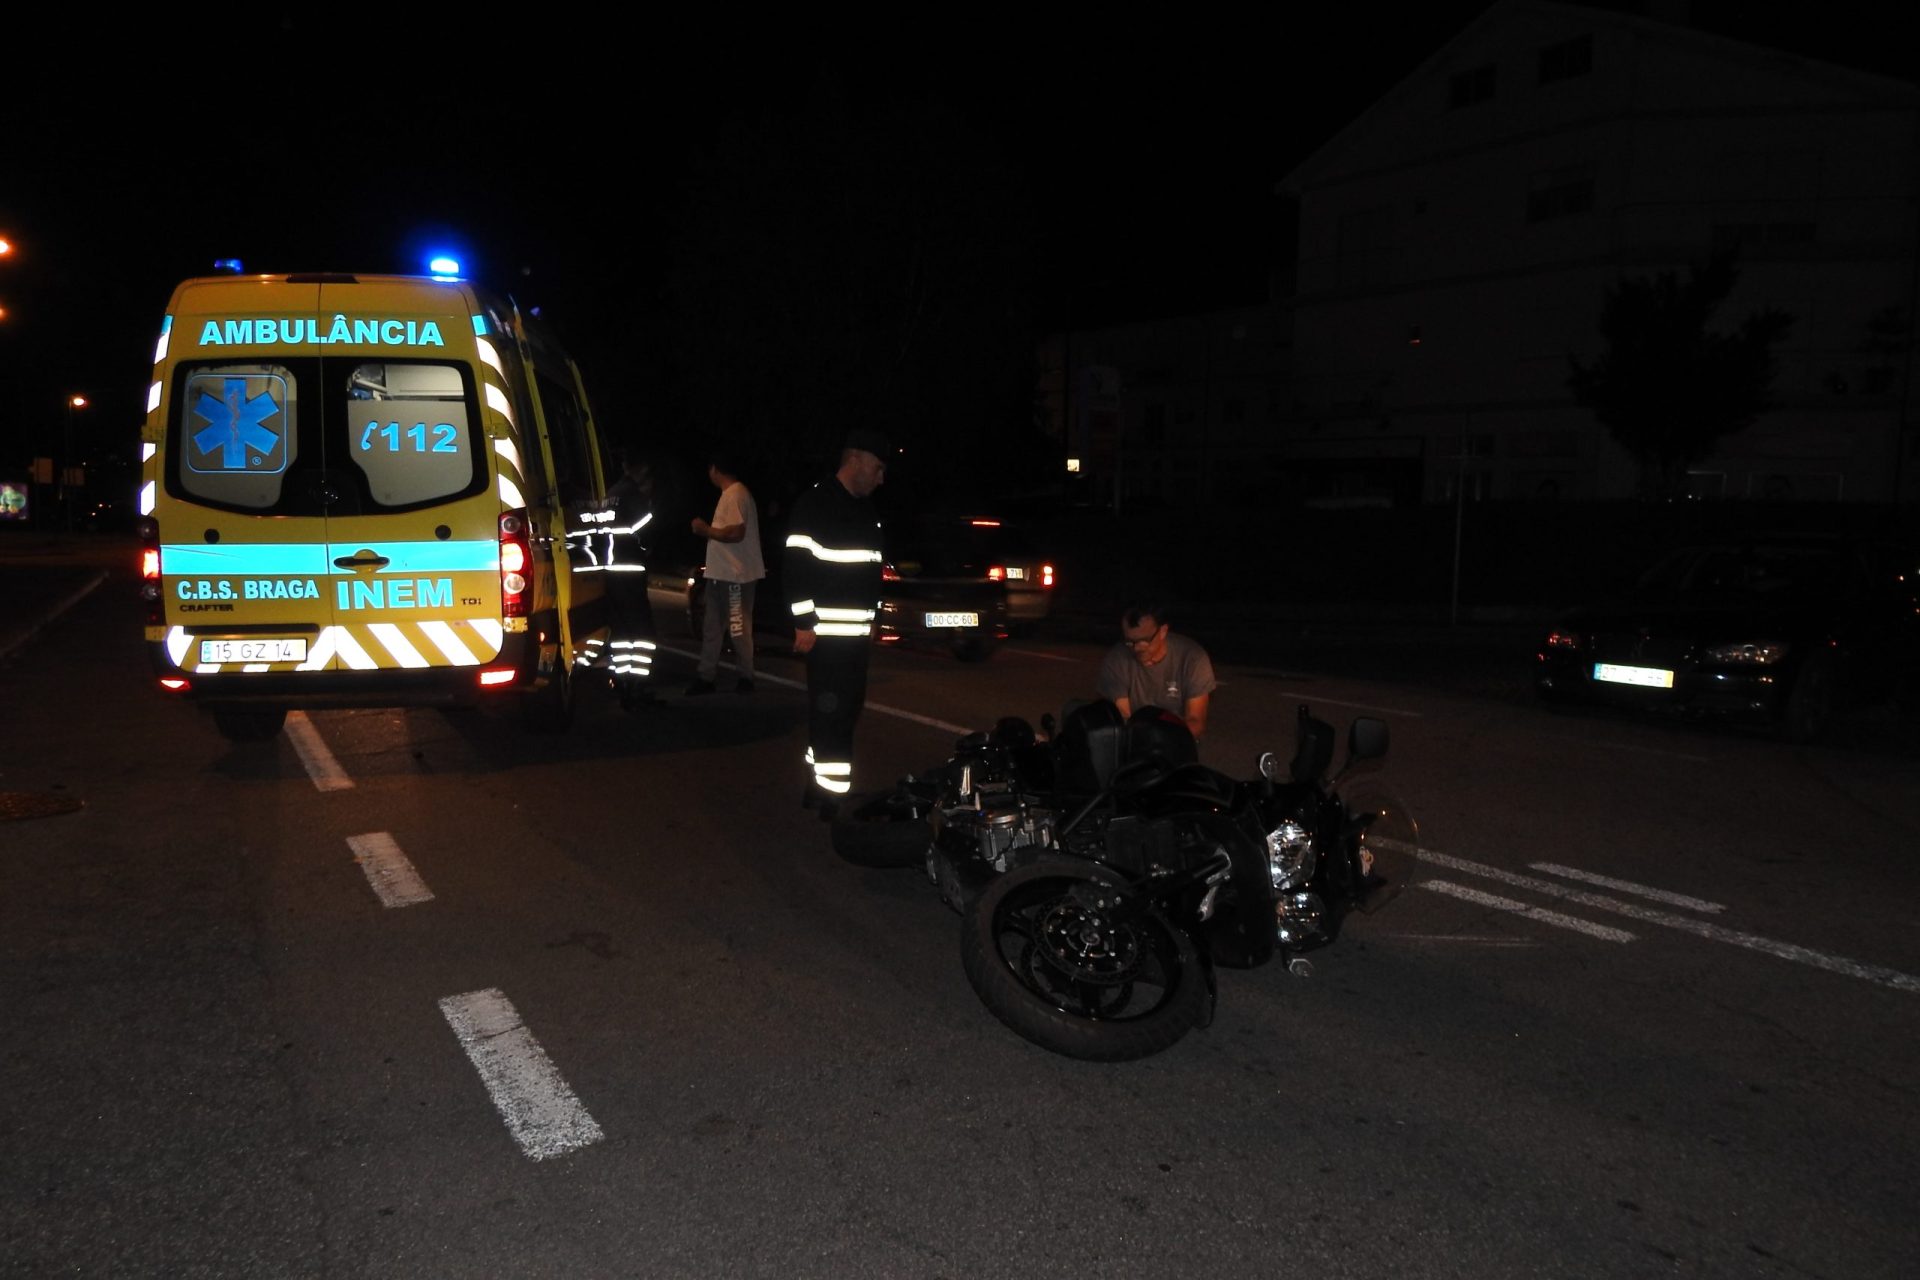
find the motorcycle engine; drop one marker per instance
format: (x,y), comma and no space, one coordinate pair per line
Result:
(998,824)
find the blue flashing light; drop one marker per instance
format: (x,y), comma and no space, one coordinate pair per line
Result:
(227,264)
(166,326)
(479,326)
(442,267)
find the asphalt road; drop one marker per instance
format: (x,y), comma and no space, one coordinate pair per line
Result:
(1649,1006)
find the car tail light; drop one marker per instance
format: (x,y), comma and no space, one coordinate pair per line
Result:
(887,574)
(148,530)
(1563,640)
(516,557)
(1046,575)
(996,573)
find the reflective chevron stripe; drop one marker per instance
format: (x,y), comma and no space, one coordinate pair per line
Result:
(369,646)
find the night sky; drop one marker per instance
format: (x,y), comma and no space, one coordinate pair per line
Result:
(1131,166)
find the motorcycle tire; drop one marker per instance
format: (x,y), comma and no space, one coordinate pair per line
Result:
(1045,961)
(882,832)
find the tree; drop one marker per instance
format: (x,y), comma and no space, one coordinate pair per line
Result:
(1667,385)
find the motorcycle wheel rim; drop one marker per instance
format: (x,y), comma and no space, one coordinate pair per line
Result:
(1082,962)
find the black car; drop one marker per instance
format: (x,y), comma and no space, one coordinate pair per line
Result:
(1782,632)
(939,588)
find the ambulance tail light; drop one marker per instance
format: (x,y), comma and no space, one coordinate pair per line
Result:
(494,677)
(516,559)
(174,683)
(148,530)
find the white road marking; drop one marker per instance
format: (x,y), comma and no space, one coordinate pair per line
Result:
(541,1112)
(1467,939)
(388,870)
(1780,950)
(325,771)
(1628,886)
(1051,657)
(1628,746)
(55,612)
(1312,699)
(1541,914)
(929,721)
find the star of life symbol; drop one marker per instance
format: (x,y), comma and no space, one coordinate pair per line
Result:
(234,426)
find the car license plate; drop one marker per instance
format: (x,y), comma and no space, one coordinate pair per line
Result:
(1016,574)
(953,620)
(1647,677)
(253,650)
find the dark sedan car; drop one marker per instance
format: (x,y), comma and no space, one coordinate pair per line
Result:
(1783,632)
(939,588)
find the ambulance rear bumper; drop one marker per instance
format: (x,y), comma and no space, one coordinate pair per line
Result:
(398,687)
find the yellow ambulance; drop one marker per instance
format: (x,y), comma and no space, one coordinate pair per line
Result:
(358,490)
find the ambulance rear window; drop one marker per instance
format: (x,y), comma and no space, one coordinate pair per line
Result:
(387,435)
(241,433)
(409,431)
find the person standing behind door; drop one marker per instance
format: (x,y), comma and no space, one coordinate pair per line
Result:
(734,565)
(831,580)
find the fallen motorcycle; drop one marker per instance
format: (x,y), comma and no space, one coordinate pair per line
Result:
(1102,872)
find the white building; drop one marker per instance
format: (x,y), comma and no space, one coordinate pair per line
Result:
(1457,240)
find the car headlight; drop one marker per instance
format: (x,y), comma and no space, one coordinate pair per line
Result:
(1290,857)
(1758,655)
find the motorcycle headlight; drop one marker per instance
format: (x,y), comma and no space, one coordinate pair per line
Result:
(1758,655)
(1290,857)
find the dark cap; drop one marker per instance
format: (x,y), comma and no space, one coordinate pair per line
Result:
(872,442)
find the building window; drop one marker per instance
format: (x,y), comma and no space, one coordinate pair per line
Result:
(1559,195)
(1566,60)
(1470,87)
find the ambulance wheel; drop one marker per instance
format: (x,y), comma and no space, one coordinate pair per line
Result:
(550,709)
(250,725)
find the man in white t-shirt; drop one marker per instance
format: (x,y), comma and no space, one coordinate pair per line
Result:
(734,565)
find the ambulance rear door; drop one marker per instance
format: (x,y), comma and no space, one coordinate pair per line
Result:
(242,509)
(413,511)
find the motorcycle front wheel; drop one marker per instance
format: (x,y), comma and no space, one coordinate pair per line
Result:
(1052,953)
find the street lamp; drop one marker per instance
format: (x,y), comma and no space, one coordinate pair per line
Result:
(74,402)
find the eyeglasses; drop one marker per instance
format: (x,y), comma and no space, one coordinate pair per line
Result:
(1144,642)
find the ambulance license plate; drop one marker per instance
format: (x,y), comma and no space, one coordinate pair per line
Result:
(953,620)
(253,650)
(1646,677)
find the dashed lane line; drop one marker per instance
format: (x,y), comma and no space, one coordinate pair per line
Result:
(388,870)
(541,1112)
(1541,914)
(325,771)
(1874,973)
(1628,886)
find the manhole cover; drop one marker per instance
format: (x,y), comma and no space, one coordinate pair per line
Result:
(36,804)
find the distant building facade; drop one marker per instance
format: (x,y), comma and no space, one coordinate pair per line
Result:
(1458,239)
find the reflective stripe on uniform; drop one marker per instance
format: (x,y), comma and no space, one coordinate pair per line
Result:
(833,555)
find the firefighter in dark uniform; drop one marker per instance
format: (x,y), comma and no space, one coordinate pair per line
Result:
(831,577)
